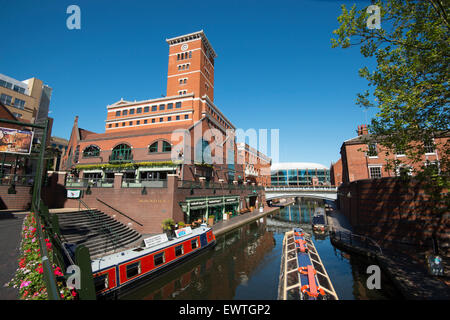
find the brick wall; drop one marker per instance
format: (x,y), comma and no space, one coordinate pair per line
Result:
(149,209)
(21,200)
(387,210)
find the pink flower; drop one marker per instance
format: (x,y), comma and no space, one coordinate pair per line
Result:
(25,284)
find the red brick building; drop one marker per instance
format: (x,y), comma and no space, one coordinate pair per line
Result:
(182,135)
(363,159)
(256,165)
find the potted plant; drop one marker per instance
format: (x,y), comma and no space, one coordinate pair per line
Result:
(168,226)
(211,220)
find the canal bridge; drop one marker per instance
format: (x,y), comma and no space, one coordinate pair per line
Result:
(317,192)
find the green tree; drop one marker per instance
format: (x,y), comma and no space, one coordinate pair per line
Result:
(410,83)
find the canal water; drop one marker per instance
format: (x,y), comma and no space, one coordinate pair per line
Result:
(245,264)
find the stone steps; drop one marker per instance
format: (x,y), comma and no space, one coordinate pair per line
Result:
(96,230)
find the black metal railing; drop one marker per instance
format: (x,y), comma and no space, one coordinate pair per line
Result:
(90,182)
(140,183)
(106,229)
(18,180)
(356,240)
(121,213)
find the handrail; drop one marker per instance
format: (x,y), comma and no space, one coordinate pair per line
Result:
(107,230)
(352,235)
(318,188)
(119,212)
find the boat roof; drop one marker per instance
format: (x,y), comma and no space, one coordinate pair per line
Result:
(130,254)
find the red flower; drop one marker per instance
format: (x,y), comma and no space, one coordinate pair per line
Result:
(49,246)
(74,293)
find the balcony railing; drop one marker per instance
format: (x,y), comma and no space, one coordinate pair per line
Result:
(302,188)
(18,180)
(187,184)
(92,182)
(138,183)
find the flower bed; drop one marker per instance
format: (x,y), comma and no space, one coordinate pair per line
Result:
(29,277)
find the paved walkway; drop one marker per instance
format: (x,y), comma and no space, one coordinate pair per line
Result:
(226,225)
(408,273)
(338,221)
(10,237)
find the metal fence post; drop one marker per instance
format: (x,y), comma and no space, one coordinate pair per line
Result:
(83,260)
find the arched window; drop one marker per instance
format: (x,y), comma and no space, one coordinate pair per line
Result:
(166,147)
(153,147)
(121,152)
(91,151)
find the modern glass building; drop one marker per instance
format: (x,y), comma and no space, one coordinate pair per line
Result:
(299,174)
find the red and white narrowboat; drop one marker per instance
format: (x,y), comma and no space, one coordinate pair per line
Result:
(123,270)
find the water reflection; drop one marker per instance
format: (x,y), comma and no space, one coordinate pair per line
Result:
(226,272)
(245,264)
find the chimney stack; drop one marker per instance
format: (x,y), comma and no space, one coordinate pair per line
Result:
(362,130)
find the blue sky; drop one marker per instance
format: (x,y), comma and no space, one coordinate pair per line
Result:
(275,67)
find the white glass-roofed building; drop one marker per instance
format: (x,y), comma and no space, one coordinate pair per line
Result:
(299,174)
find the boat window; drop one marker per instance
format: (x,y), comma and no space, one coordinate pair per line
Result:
(133,269)
(101,283)
(194,244)
(159,258)
(179,250)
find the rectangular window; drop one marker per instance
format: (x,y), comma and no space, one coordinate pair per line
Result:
(429,146)
(125,112)
(118,113)
(146,109)
(5,99)
(159,259)
(101,283)
(154,108)
(169,106)
(375,172)
(178,118)
(169,118)
(17,115)
(153,120)
(139,110)
(109,125)
(145,121)
(186,116)
(117,124)
(179,251)
(162,107)
(178,105)
(161,119)
(194,244)
(372,151)
(130,123)
(19,89)
(131,111)
(138,122)
(123,124)
(133,269)
(18,103)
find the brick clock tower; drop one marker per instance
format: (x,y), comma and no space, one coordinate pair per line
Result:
(191,66)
